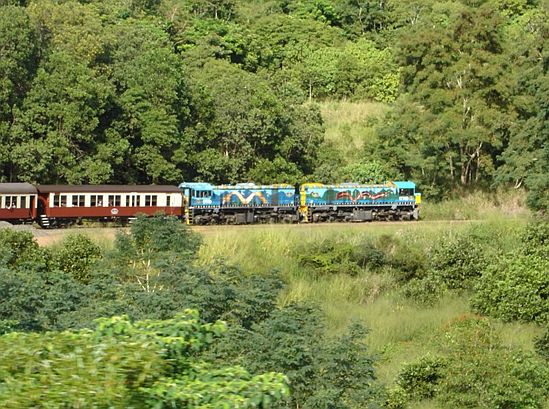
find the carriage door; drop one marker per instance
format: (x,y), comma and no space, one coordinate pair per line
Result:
(32,210)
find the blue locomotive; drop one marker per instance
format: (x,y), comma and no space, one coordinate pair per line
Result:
(243,203)
(247,203)
(359,202)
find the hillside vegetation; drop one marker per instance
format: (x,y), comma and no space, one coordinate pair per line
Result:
(407,315)
(161,91)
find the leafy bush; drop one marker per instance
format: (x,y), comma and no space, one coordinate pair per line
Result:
(76,256)
(426,291)
(481,372)
(535,239)
(123,364)
(322,372)
(142,278)
(515,288)
(366,254)
(420,380)
(473,369)
(19,247)
(460,260)
(407,260)
(7,326)
(151,238)
(542,344)
(328,257)
(37,299)
(340,256)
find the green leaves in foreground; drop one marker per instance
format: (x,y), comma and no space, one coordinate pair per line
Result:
(123,364)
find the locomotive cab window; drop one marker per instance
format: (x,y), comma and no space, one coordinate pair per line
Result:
(202,193)
(406,192)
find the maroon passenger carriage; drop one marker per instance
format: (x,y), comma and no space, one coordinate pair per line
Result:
(18,202)
(65,204)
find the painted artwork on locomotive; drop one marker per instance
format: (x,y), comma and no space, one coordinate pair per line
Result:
(240,195)
(315,194)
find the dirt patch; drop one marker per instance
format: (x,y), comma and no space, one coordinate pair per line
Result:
(47,237)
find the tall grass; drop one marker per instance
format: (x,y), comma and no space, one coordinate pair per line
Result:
(508,204)
(260,249)
(349,127)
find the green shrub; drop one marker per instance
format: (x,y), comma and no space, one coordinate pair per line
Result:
(425,291)
(19,247)
(123,364)
(367,254)
(397,398)
(535,239)
(323,372)
(515,288)
(482,373)
(542,344)
(472,369)
(408,261)
(328,257)
(8,326)
(76,256)
(420,380)
(460,260)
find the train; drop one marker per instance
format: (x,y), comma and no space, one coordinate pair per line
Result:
(201,203)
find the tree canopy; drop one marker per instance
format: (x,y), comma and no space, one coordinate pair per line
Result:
(223,91)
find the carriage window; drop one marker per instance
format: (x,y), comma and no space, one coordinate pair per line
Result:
(11,201)
(78,200)
(115,200)
(133,200)
(59,200)
(168,197)
(151,200)
(23,202)
(406,192)
(96,200)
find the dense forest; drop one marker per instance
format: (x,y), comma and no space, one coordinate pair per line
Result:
(161,91)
